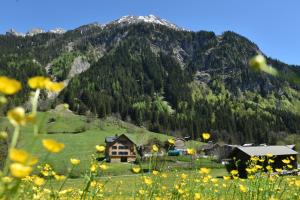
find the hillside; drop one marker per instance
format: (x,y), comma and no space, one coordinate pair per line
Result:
(150,72)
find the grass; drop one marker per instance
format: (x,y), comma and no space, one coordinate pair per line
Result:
(80,135)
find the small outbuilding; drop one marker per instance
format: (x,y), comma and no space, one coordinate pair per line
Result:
(120,149)
(241,155)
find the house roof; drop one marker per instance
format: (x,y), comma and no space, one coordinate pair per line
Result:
(112,139)
(264,150)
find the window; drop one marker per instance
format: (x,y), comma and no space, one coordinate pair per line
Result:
(113,153)
(123,147)
(123,153)
(114,147)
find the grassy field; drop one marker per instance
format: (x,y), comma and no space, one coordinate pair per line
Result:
(80,135)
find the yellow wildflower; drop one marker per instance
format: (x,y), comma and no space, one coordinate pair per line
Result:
(103,167)
(254,158)
(243,188)
(3,135)
(22,157)
(16,116)
(38,82)
(9,86)
(74,161)
(154,148)
(197,196)
(136,169)
(93,167)
(292,158)
(39,181)
(183,176)
(204,170)
(190,151)
(258,167)
(142,192)
(55,87)
(154,172)
(278,170)
(269,168)
(52,145)
(19,170)
(59,177)
(7,179)
(171,141)
(290,166)
(286,161)
(147,180)
(234,172)
(269,155)
(93,183)
(100,148)
(164,175)
(226,178)
(205,136)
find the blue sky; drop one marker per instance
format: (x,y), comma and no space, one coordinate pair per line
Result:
(274,25)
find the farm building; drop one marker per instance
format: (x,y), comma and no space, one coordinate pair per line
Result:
(120,149)
(242,155)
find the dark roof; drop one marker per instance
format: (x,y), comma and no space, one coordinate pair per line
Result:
(112,139)
(264,150)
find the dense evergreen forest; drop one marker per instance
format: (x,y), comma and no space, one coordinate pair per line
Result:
(172,81)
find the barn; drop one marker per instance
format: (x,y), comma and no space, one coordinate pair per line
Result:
(241,155)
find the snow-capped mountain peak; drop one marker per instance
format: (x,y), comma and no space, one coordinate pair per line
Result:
(130,19)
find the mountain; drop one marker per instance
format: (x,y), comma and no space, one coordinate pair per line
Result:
(150,72)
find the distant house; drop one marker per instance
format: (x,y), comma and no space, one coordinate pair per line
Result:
(242,154)
(120,149)
(179,144)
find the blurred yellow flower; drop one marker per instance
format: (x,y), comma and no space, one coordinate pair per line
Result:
(100,148)
(16,116)
(93,167)
(269,155)
(93,183)
(259,63)
(9,86)
(204,170)
(226,178)
(171,141)
(190,151)
(39,181)
(55,87)
(52,145)
(22,157)
(59,177)
(38,82)
(197,196)
(19,170)
(183,176)
(7,179)
(234,172)
(154,148)
(103,167)
(286,161)
(154,172)
(3,135)
(243,188)
(278,170)
(74,161)
(205,136)
(292,158)
(147,180)
(136,169)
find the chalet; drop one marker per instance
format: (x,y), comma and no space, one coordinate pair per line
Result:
(120,149)
(242,154)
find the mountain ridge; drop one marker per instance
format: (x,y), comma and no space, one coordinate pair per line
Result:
(169,80)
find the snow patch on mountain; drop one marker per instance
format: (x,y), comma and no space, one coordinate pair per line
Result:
(130,19)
